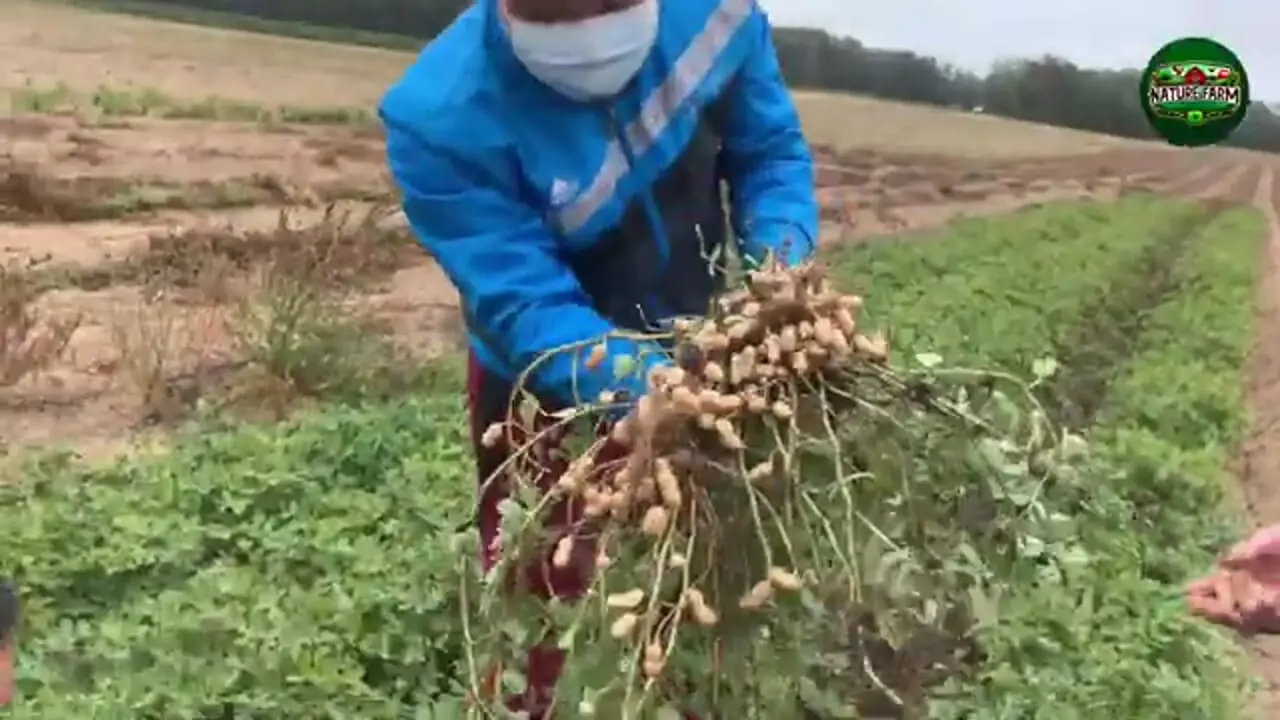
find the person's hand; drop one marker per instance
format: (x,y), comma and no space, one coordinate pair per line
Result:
(791,251)
(1244,591)
(619,369)
(635,385)
(7,652)
(9,618)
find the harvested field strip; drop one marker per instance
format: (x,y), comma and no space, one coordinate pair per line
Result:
(1221,185)
(26,196)
(133,103)
(1241,191)
(1098,342)
(999,289)
(1193,181)
(359,247)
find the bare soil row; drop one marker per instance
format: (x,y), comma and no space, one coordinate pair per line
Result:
(1258,463)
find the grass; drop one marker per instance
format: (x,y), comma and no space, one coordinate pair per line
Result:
(188,61)
(302,568)
(29,342)
(288,301)
(111,105)
(981,299)
(902,126)
(899,126)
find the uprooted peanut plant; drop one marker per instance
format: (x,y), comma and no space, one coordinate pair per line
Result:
(783,526)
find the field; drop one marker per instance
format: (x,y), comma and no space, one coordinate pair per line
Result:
(230,389)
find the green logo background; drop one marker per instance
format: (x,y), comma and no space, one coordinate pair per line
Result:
(1209,130)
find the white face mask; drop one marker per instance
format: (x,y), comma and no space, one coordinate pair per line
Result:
(588,59)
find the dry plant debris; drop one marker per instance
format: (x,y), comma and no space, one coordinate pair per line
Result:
(28,344)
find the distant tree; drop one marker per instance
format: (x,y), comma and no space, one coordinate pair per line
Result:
(1048,89)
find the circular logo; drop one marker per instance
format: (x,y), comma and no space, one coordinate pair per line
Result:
(1195,92)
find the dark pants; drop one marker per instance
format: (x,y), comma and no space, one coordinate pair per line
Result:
(488,399)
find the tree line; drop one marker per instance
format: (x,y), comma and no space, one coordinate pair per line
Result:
(1048,89)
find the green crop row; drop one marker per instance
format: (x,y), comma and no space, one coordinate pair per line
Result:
(1114,640)
(130,102)
(1001,290)
(1120,640)
(1175,414)
(1184,384)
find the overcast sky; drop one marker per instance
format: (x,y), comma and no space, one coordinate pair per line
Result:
(1100,33)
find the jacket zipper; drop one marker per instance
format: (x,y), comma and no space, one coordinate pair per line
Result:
(652,217)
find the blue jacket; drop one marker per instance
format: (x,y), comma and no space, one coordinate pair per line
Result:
(559,221)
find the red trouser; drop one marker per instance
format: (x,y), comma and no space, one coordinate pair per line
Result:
(488,401)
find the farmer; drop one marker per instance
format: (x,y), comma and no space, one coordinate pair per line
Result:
(8,639)
(562,161)
(1244,591)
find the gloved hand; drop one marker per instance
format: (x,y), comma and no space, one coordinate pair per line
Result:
(792,247)
(1244,592)
(622,369)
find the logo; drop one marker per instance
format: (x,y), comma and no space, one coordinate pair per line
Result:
(1195,92)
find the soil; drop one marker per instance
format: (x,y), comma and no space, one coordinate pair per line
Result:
(1107,330)
(1259,462)
(42,44)
(88,400)
(1242,178)
(188,151)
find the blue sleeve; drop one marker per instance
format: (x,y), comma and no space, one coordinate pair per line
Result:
(766,159)
(521,299)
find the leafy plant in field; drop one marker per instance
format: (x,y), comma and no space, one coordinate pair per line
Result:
(300,327)
(1184,383)
(155,340)
(1114,640)
(1003,292)
(297,571)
